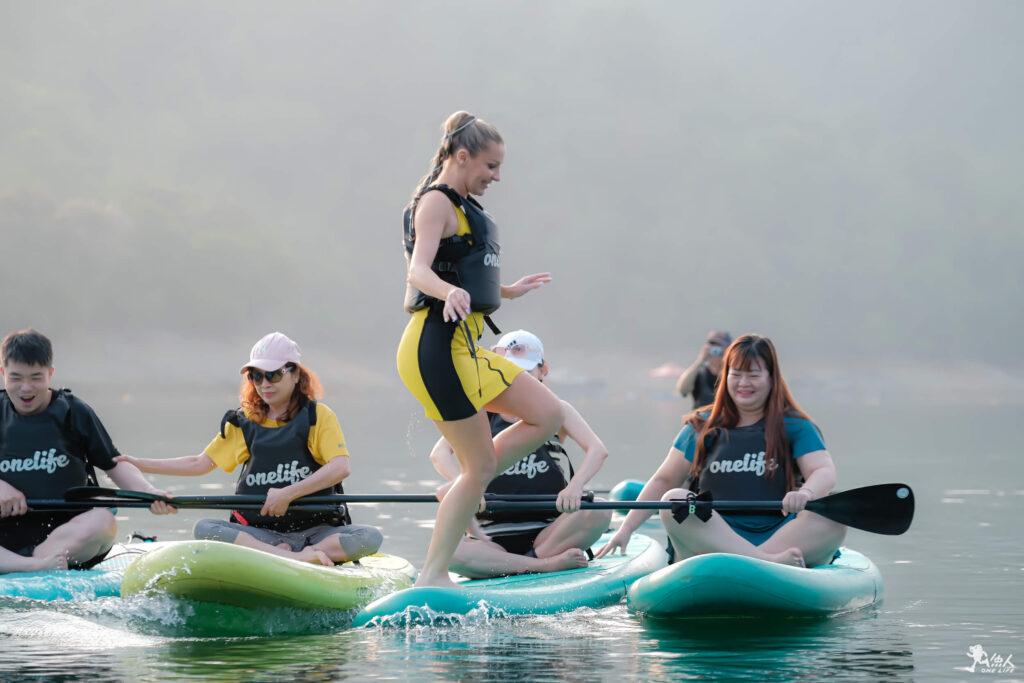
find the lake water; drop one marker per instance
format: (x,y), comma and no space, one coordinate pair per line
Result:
(953,581)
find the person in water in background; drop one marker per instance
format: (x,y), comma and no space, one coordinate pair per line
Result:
(453,282)
(51,441)
(754,444)
(289,445)
(700,379)
(519,542)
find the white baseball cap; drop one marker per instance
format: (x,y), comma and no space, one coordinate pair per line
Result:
(273,352)
(523,348)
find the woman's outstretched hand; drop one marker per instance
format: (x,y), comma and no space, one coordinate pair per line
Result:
(524,285)
(620,540)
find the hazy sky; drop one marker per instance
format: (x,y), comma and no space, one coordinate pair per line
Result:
(846,178)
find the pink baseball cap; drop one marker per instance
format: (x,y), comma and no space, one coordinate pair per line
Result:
(273,352)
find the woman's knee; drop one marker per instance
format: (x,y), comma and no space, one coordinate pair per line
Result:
(667,520)
(596,519)
(214,530)
(675,494)
(837,533)
(98,523)
(360,540)
(479,472)
(821,527)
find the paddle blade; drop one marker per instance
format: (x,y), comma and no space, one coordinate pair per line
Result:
(880,509)
(91,492)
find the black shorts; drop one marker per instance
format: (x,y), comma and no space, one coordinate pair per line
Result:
(21,535)
(519,543)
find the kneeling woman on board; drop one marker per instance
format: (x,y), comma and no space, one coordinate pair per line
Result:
(520,542)
(452,258)
(749,447)
(289,446)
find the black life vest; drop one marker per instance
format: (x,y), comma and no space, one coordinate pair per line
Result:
(471,262)
(42,455)
(279,456)
(735,464)
(538,472)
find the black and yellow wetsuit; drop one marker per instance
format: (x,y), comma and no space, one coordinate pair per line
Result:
(439,361)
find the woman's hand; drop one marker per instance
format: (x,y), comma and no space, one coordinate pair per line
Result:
(456,305)
(620,540)
(569,498)
(795,501)
(12,501)
(159,507)
(524,285)
(277,503)
(476,530)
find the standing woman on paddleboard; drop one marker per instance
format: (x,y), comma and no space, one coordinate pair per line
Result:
(452,256)
(751,446)
(289,445)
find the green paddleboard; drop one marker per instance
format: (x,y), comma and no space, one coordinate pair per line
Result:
(228,574)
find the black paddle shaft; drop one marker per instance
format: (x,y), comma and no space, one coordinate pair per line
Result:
(41,505)
(881,509)
(96,493)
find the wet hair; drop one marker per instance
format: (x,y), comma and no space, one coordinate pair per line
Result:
(461,130)
(308,388)
(742,354)
(26,346)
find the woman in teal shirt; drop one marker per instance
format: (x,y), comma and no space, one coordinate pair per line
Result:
(755,444)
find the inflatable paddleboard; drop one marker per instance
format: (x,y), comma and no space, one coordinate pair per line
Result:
(102,580)
(603,582)
(720,584)
(229,574)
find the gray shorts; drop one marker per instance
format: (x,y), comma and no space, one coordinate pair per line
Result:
(357,540)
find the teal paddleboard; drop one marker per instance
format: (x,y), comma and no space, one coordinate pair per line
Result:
(603,582)
(719,584)
(626,490)
(102,580)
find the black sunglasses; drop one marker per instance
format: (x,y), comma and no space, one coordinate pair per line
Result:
(274,376)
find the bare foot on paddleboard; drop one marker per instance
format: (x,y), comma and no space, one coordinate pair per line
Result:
(46,562)
(791,556)
(435,582)
(314,556)
(573,558)
(60,560)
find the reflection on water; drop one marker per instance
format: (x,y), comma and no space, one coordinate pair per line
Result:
(950,583)
(778,649)
(587,645)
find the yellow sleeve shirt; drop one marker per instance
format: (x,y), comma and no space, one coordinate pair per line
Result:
(325,441)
